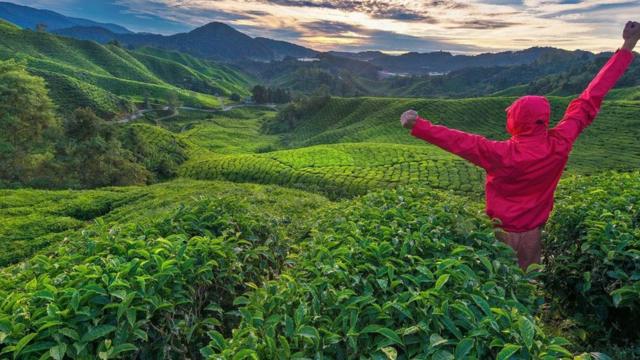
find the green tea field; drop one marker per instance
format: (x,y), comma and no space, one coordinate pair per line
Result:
(261,250)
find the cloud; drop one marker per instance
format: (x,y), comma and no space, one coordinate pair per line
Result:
(483,24)
(455,25)
(358,38)
(376,8)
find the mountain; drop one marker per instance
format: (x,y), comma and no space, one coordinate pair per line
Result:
(283,49)
(92,33)
(362,56)
(443,62)
(212,41)
(28,17)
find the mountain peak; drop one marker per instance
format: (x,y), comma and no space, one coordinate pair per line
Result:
(215,26)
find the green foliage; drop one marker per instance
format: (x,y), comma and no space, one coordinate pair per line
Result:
(142,282)
(26,118)
(84,73)
(160,151)
(376,120)
(266,95)
(290,116)
(233,132)
(342,169)
(33,219)
(406,274)
(94,156)
(593,255)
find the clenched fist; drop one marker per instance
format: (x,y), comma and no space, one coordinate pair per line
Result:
(408,119)
(631,35)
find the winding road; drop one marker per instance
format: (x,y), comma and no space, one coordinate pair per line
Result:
(140,113)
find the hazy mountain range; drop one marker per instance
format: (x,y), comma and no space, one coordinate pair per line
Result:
(28,17)
(219,41)
(277,63)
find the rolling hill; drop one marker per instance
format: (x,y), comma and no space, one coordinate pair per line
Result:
(106,77)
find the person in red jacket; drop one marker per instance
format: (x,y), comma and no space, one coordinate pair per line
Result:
(523,172)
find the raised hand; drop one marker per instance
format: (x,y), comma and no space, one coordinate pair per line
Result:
(631,35)
(408,119)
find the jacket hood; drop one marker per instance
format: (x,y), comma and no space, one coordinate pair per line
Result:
(529,115)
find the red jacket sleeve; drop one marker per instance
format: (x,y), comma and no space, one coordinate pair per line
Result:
(583,110)
(475,148)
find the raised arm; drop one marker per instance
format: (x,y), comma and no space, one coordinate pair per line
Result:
(583,110)
(474,148)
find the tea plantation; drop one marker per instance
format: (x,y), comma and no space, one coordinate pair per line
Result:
(224,270)
(331,235)
(87,74)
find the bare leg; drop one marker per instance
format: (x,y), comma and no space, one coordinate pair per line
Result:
(528,245)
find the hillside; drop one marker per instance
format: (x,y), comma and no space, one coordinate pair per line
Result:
(344,120)
(28,17)
(104,77)
(552,72)
(442,62)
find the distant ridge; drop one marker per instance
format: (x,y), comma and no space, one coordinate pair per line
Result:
(28,17)
(215,40)
(442,62)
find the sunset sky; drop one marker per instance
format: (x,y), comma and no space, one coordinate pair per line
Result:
(388,25)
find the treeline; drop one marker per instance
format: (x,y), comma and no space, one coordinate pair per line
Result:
(270,95)
(291,116)
(39,148)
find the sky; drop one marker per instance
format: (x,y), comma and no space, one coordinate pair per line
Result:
(393,26)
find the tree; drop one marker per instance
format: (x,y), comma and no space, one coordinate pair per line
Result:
(41,27)
(235,97)
(260,95)
(83,125)
(27,120)
(94,156)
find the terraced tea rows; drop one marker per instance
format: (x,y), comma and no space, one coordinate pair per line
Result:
(32,220)
(95,74)
(234,132)
(342,169)
(610,143)
(362,147)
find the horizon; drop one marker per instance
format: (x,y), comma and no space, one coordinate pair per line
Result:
(389,26)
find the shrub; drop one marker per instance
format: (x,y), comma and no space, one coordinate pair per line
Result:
(140,289)
(592,254)
(397,274)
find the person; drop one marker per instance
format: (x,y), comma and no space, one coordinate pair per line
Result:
(523,172)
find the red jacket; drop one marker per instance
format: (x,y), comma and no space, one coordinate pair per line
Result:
(523,172)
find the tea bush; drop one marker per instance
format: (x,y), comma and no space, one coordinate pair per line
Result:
(593,254)
(342,169)
(406,274)
(148,289)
